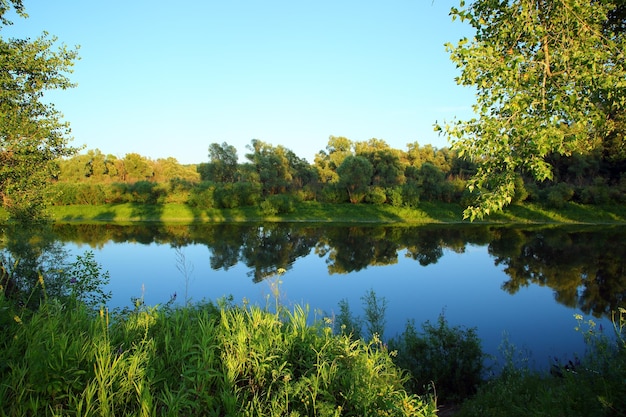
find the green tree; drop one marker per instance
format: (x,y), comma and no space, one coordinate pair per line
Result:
(386,162)
(137,168)
(432,181)
(74,169)
(550,77)
(168,169)
(98,165)
(355,175)
(222,166)
(32,133)
(272,165)
(327,162)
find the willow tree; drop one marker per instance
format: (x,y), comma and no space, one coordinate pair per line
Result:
(550,78)
(32,132)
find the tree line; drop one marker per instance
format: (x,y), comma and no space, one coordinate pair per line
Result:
(550,81)
(357,172)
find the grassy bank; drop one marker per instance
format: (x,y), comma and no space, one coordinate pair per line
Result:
(218,359)
(202,360)
(63,355)
(338,213)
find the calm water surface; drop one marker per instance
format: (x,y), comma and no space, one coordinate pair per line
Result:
(519,284)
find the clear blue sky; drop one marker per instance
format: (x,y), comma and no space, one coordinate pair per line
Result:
(169,78)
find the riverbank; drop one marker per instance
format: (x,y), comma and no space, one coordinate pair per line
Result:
(313,212)
(200,360)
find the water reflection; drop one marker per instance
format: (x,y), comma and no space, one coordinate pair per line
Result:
(582,265)
(26,253)
(584,268)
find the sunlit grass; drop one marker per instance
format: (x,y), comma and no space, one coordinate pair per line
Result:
(315,212)
(200,360)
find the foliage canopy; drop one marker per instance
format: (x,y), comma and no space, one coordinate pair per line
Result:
(550,78)
(32,133)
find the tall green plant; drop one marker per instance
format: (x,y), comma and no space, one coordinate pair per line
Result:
(85,281)
(375,308)
(345,321)
(451,358)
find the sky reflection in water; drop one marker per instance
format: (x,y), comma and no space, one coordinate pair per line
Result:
(466,286)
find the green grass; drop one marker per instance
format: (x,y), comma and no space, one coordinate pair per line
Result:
(200,360)
(338,213)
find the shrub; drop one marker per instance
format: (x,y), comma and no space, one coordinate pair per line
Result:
(376,195)
(411,193)
(449,357)
(249,192)
(145,192)
(557,195)
(598,193)
(201,196)
(521,194)
(233,195)
(225,196)
(278,204)
(62,193)
(458,187)
(346,323)
(117,193)
(332,193)
(394,196)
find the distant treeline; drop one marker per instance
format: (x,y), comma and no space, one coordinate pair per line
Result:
(368,172)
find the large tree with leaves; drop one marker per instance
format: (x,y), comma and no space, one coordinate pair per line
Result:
(32,132)
(550,77)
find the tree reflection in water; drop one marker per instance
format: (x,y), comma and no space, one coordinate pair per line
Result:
(582,265)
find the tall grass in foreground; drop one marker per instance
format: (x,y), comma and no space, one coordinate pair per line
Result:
(203,360)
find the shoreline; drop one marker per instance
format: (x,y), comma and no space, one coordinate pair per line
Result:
(313,212)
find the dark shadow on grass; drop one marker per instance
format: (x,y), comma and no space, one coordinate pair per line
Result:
(443,212)
(106,215)
(525,213)
(147,212)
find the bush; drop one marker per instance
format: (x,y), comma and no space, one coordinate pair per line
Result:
(117,193)
(249,193)
(278,204)
(225,196)
(394,196)
(598,193)
(376,195)
(449,357)
(521,194)
(458,187)
(201,196)
(411,193)
(557,195)
(144,192)
(233,195)
(62,193)
(332,193)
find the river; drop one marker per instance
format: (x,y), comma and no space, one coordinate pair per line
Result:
(522,285)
